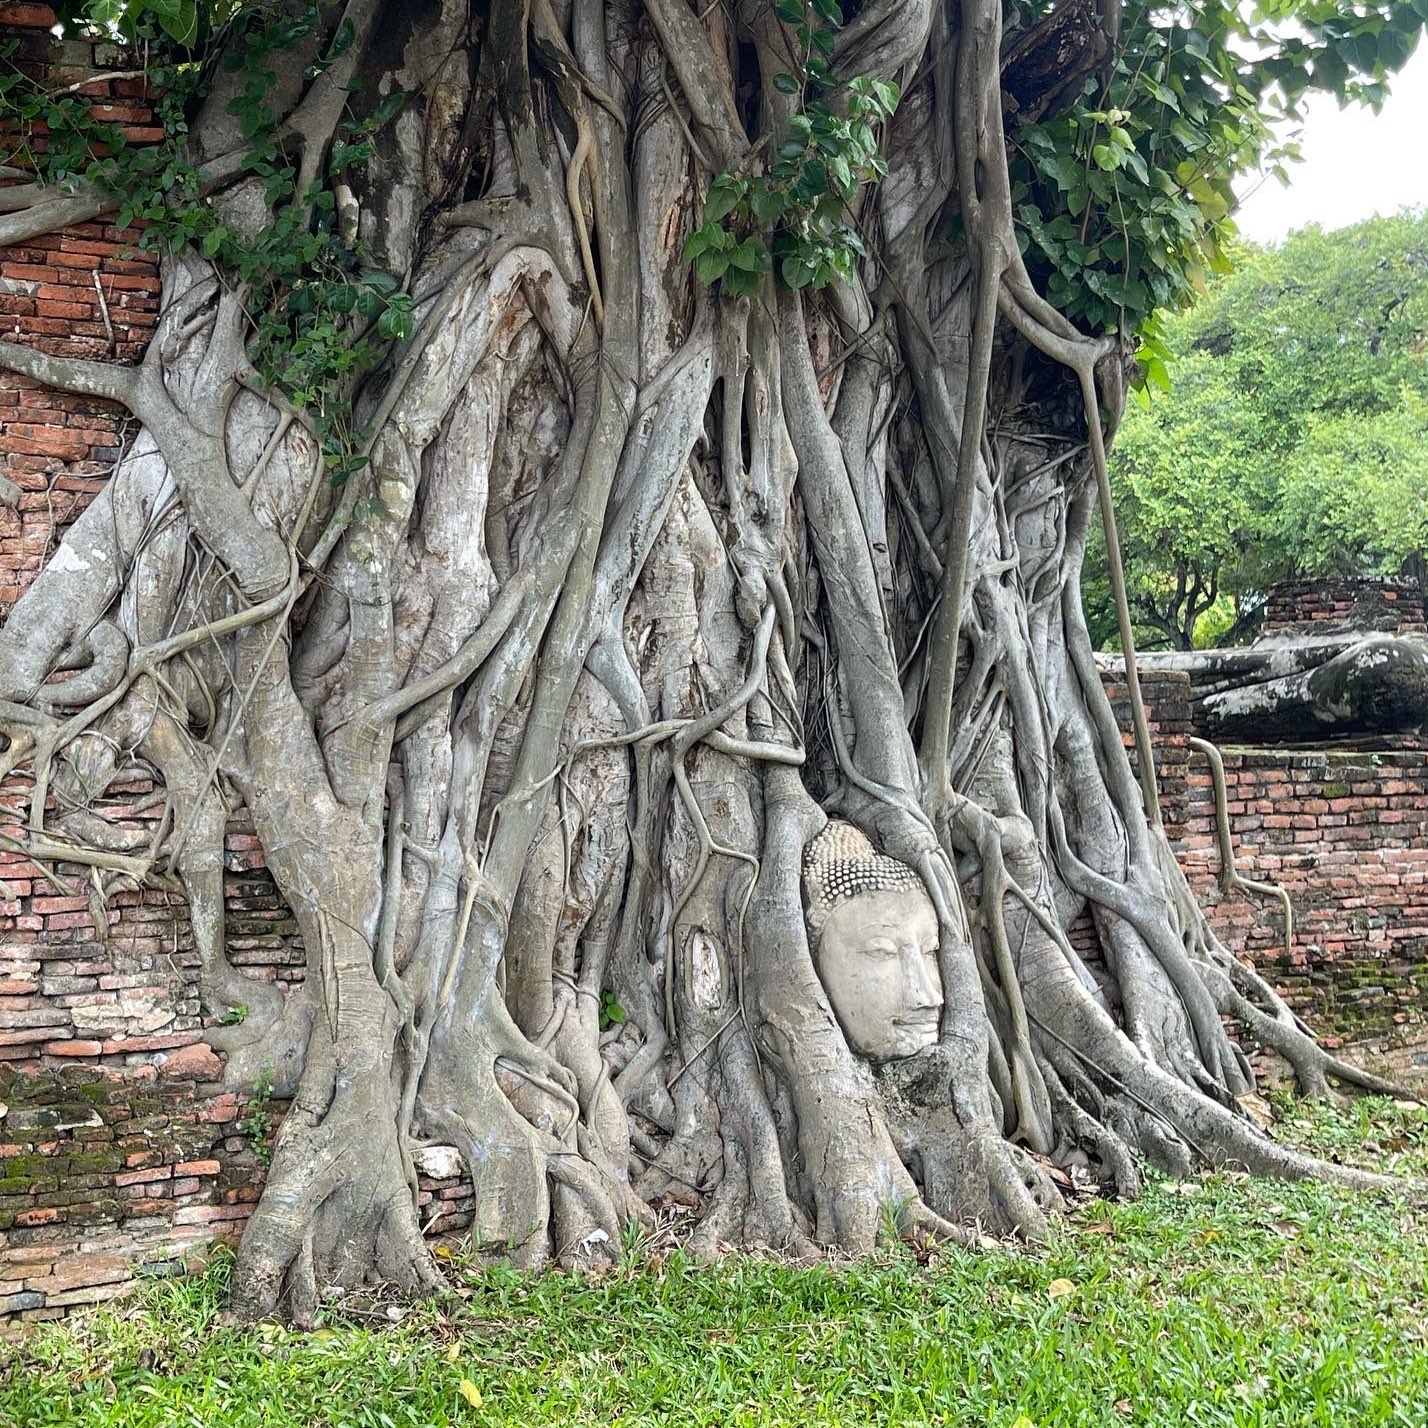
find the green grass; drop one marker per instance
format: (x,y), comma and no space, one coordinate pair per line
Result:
(1221,1301)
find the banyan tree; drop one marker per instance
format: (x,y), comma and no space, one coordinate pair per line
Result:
(607,493)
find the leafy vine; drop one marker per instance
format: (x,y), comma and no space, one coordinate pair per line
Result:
(1125,198)
(796,213)
(323,309)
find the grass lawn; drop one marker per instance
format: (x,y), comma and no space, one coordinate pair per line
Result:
(1220,1301)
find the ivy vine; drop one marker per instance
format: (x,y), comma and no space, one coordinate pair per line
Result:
(323,308)
(796,213)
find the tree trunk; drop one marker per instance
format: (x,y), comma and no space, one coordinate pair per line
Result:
(541,716)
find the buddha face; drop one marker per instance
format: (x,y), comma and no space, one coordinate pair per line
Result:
(877,960)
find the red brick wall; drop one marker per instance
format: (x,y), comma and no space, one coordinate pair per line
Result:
(116,1158)
(1346,835)
(120,1154)
(1322,605)
(86,292)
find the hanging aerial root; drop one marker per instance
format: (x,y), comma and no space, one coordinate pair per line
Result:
(1231,879)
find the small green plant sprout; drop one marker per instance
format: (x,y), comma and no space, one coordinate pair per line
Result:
(634,1244)
(611,1012)
(235,1015)
(254,1125)
(892,1220)
(795,215)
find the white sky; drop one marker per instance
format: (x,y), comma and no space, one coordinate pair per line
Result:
(1356,163)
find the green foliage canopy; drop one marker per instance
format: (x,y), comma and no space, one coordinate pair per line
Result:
(1122,187)
(1295,440)
(1124,197)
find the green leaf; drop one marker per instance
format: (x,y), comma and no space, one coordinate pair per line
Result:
(786,84)
(386,111)
(767,203)
(1162,93)
(888,94)
(711,266)
(795,272)
(724,195)
(179,18)
(711,235)
(1137,165)
(380,281)
(395,324)
(741,282)
(814,179)
(752,255)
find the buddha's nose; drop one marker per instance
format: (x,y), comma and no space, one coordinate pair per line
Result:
(924,986)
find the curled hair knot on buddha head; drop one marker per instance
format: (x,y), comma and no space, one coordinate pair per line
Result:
(840,864)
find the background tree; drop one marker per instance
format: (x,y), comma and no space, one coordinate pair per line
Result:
(1293,442)
(543,516)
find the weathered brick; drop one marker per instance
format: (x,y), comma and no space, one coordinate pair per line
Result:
(90,1294)
(198,1167)
(40,17)
(143,1177)
(77,1271)
(44,1215)
(75,1048)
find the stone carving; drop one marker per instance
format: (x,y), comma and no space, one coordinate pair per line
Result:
(874,935)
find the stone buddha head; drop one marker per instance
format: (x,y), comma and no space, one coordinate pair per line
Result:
(874,935)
